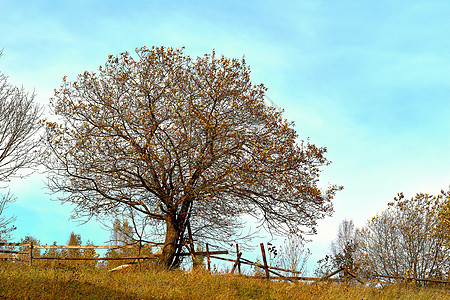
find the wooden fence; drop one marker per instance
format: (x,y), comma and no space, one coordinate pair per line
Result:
(31,247)
(347,275)
(270,271)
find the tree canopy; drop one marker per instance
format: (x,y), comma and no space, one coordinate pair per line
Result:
(178,139)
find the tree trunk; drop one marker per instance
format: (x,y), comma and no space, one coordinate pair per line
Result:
(170,245)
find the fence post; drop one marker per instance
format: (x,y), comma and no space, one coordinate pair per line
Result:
(31,253)
(208,259)
(236,263)
(239,261)
(266,268)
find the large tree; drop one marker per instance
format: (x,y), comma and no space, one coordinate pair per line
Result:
(182,140)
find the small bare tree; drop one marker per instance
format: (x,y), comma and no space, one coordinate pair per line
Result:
(343,251)
(6,226)
(346,235)
(19,123)
(293,254)
(406,238)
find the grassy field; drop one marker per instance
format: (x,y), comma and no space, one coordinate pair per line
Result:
(19,281)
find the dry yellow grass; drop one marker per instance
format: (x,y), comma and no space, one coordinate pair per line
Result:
(18,281)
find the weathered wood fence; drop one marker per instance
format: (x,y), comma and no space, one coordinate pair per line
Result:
(347,275)
(270,271)
(31,247)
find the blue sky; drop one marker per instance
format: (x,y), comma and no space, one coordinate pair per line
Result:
(368,80)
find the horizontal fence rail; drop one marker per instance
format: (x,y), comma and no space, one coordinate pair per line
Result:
(151,256)
(13,252)
(78,246)
(14,244)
